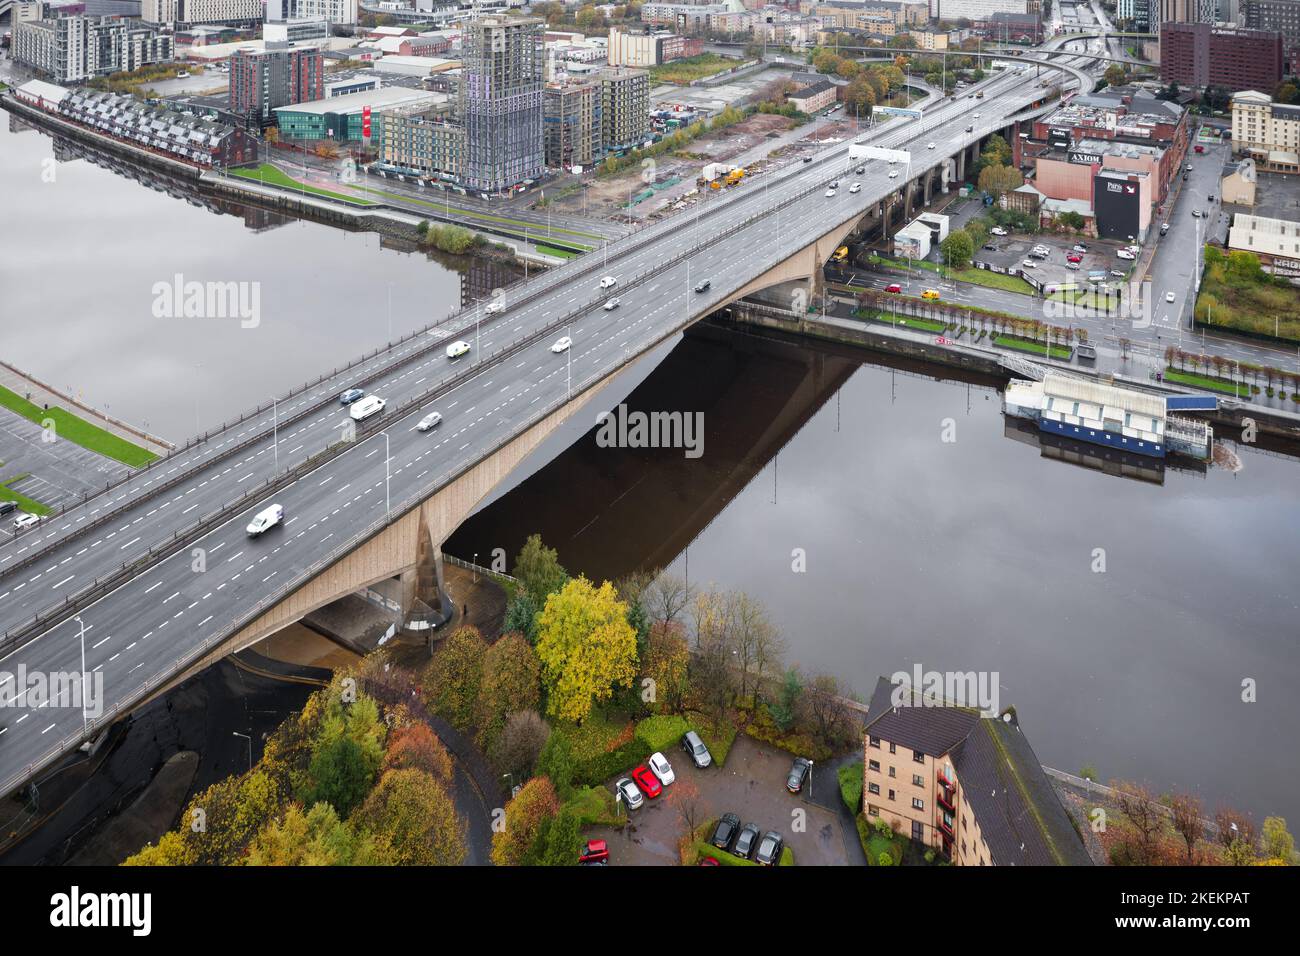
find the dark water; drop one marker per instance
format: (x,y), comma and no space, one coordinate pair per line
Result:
(79,257)
(975,554)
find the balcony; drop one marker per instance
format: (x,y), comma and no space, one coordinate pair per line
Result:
(948,801)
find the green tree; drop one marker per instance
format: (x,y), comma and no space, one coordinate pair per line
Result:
(521,616)
(957,249)
(538,569)
(511,682)
(560,840)
(996,180)
(1072,220)
(785,707)
(586,646)
(860,97)
(1115,75)
(412,817)
(556,763)
(340,774)
(452,677)
(316,837)
(1278,843)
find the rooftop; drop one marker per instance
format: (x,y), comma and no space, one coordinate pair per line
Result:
(383,98)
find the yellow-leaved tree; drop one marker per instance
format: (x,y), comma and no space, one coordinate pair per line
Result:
(586,647)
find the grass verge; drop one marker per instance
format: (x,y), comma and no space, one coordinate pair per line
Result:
(1205,381)
(273,176)
(1024,345)
(78,430)
(30,505)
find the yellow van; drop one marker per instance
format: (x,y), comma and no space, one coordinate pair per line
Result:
(930,294)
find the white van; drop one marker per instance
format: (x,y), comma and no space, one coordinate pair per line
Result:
(457,349)
(608,283)
(265,520)
(363,409)
(495,306)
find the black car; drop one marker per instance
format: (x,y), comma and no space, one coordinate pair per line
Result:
(7,506)
(746,840)
(725,831)
(807,159)
(703,285)
(860,170)
(799,771)
(769,849)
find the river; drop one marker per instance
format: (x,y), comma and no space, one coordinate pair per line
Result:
(976,553)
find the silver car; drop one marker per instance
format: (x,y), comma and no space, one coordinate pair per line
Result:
(629,792)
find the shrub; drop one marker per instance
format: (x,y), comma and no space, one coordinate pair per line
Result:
(661,733)
(850,776)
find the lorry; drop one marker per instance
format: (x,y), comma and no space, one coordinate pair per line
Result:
(735,176)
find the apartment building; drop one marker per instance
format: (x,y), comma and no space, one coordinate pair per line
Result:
(422,142)
(953,10)
(572,129)
(1134,14)
(262,80)
(501,101)
(74,49)
(1267,132)
(1200,54)
(624,107)
(1188,11)
(335,11)
(844,13)
(967,786)
(172,12)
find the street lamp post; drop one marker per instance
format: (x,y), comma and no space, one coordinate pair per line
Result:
(249,740)
(85,721)
(275,430)
(388,501)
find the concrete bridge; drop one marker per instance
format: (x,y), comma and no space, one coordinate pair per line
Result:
(155,579)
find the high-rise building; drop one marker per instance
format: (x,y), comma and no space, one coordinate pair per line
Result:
(624,107)
(1280,15)
(76,48)
(501,101)
(1188,11)
(335,11)
(261,80)
(200,11)
(1135,14)
(1201,54)
(571,123)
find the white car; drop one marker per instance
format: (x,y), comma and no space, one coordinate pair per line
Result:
(612,304)
(974,116)
(929,145)
(997,231)
(608,282)
(24,521)
(830,193)
(856,188)
(495,306)
(431,420)
(561,345)
(1169,297)
(1125,254)
(661,768)
(265,520)
(893,174)
(629,792)
(1029,264)
(457,349)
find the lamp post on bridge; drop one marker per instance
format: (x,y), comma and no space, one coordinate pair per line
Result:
(85,721)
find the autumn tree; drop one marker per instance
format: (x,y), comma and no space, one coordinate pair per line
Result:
(1236,833)
(535,803)
(452,677)
(684,797)
(666,664)
(1186,811)
(417,746)
(824,712)
(1278,843)
(316,837)
(586,647)
(538,569)
(996,180)
(860,97)
(411,815)
(666,598)
(515,750)
(511,682)
(1140,809)
(346,756)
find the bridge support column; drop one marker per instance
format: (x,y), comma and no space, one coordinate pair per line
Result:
(928,188)
(961,165)
(425,603)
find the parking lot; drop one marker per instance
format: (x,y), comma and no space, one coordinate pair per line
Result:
(751,785)
(1009,253)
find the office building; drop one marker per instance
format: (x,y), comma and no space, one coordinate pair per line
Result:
(261,80)
(501,102)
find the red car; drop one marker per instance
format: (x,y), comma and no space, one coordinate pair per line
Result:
(596,853)
(708,861)
(1075,259)
(647,781)
(894,288)
(1200,149)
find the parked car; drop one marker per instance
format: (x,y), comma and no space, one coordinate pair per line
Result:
(1125,254)
(1080,247)
(630,794)
(746,840)
(694,746)
(595,853)
(708,861)
(1199,148)
(661,768)
(997,231)
(1118,274)
(647,782)
(561,344)
(1164,228)
(769,849)
(8,507)
(25,521)
(703,285)
(1074,257)
(893,287)
(431,420)
(351,395)
(799,771)
(1030,264)
(264,520)
(990,247)
(724,832)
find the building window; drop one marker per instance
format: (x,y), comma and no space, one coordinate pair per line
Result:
(873,742)
(918,803)
(874,789)
(918,831)
(892,796)
(873,810)
(918,780)
(873,765)
(893,748)
(918,757)
(893,772)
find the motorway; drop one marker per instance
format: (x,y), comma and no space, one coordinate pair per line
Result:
(145,629)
